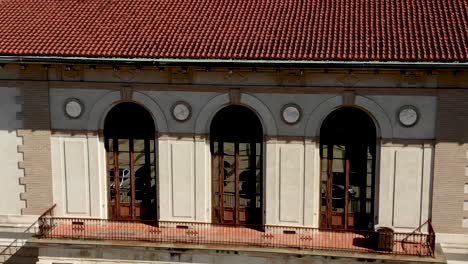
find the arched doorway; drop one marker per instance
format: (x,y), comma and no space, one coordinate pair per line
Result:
(129,139)
(347,152)
(236,136)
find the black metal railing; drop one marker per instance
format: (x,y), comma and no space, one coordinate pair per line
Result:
(262,236)
(431,238)
(408,240)
(44,221)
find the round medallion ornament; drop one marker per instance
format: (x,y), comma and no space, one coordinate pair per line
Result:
(291,114)
(408,115)
(181,111)
(73,108)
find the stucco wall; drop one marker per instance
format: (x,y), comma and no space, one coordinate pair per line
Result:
(78,182)
(10,202)
(404,184)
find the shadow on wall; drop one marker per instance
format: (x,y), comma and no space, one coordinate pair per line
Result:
(25,254)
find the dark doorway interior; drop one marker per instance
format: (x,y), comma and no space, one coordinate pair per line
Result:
(129,135)
(236,156)
(347,152)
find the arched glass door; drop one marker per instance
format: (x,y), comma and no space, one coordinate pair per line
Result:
(236,156)
(347,152)
(129,136)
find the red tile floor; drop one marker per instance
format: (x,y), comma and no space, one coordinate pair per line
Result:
(206,234)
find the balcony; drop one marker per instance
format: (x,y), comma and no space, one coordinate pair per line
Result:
(261,237)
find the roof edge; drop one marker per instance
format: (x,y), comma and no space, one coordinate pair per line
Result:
(167,62)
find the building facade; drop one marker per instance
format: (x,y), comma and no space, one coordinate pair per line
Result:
(67,154)
(280,144)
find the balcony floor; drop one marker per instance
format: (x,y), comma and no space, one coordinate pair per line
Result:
(206,234)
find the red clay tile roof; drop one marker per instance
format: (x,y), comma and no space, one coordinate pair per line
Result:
(342,30)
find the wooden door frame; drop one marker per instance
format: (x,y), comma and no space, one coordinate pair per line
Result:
(147,152)
(329,196)
(220,157)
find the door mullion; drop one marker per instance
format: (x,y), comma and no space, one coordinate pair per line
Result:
(132,180)
(147,169)
(109,167)
(253,190)
(346,192)
(117,181)
(329,186)
(221,180)
(236,162)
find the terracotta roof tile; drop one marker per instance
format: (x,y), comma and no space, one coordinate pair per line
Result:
(344,30)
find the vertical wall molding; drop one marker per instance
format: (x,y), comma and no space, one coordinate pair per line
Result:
(19,100)
(35,147)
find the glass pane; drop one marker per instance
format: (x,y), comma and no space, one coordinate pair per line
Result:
(229,168)
(110,160)
(247,193)
(152,145)
(142,183)
(369,179)
(244,149)
(338,165)
(124,145)
(110,164)
(109,145)
(354,205)
(229,187)
(138,145)
(324,151)
(324,165)
(258,200)
(369,165)
(215,148)
(150,198)
(245,202)
(124,186)
(244,163)
(153,176)
(124,160)
(258,161)
(324,176)
(338,151)
(339,178)
(228,148)
(324,196)
(369,192)
(215,180)
(369,153)
(140,158)
(229,195)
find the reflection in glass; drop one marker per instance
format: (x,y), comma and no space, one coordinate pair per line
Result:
(229,168)
(140,158)
(139,145)
(124,144)
(152,146)
(229,148)
(129,136)
(215,180)
(124,160)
